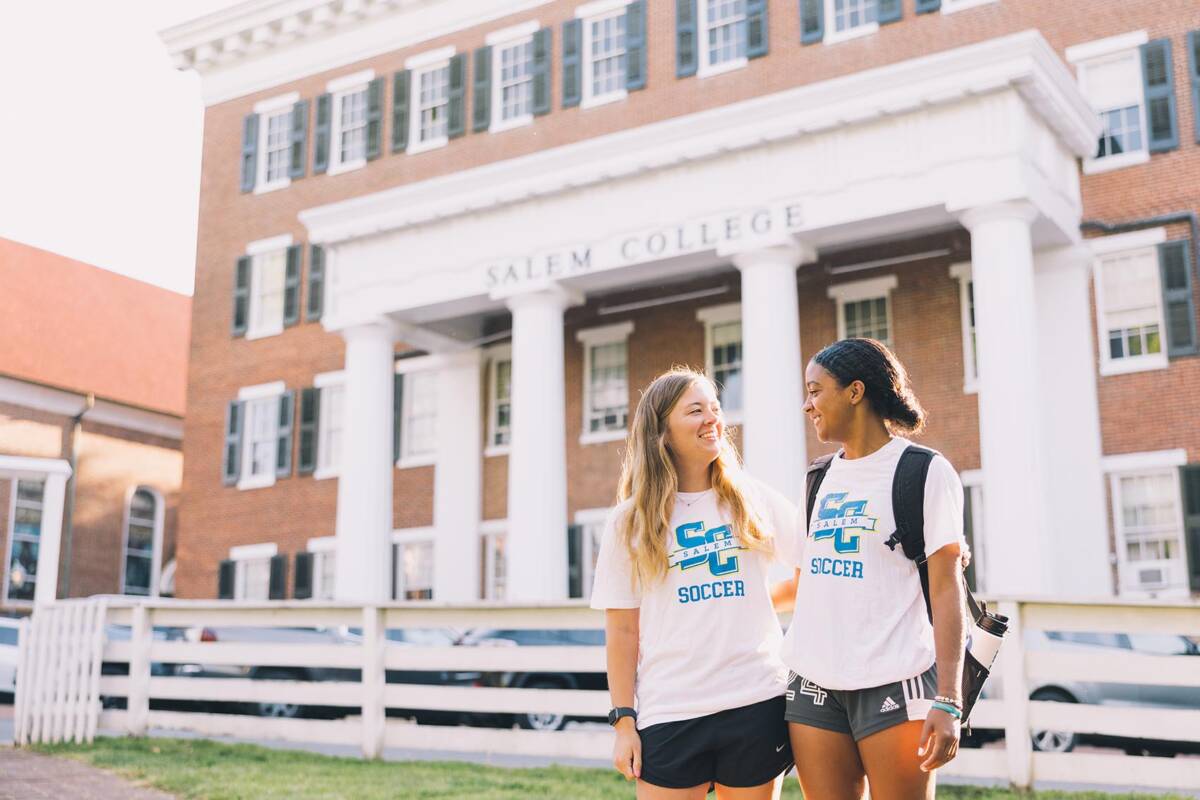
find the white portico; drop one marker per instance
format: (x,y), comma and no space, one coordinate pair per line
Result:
(984,137)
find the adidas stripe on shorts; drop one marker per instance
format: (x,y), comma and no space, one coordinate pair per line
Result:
(860,712)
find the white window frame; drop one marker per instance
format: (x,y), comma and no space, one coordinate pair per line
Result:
(337,89)
(502,40)
(1150,463)
(869,289)
(703,68)
(257,250)
(427,365)
(595,337)
(420,65)
(242,554)
(246,395)
(408,536)
(722,315)
(489,529)
(322,547)
(1090,54)
(12,522)
(493,357)
(588,15)
(963,273)
(954,6)
(1121,244)
(328,463)
(271,107)
(592,520)
(972,482)
(833,36)
(156,541)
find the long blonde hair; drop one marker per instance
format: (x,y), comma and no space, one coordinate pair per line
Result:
(649,481)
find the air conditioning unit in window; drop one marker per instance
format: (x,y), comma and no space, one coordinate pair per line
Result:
(1154,578)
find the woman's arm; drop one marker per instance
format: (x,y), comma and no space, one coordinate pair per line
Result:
(949,637)
(783,594)
(621,649)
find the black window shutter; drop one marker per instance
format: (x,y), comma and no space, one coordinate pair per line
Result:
(310,422)
(572,69)
(397,406)
(890,11)
(481,96)
(812,21)
(283,450)
(928,6)
(241,295)
(1160,95)
(277,589)
(686,53)
(302,590)
(374,118)
(1193,46)
(757,39)
(231,459)
(316,283)
(322,129)
(1190,475)
(298,157)
(400,90)
(226,571)
(291,285)
(1179,308)
(249,152)
(456,122)
(542,41)
(575,557)
(635,45)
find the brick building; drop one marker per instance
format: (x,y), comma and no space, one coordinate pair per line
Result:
(443,243)
(92,387)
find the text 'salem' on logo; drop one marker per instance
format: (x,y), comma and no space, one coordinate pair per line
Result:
(714,547)
(836,519)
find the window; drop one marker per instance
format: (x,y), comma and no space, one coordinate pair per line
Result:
(324,567)
(584,548)
(1129,302)
(863,308)
(972,481)
(1148,521)
(1110,76)
(143,524)
(493,565)
(418,432)
(348,122)
(252,571)
(513,85)
(330,425)
(263,417)
(274,146)
(431,89)
(414,556)
(723,354)
(266,294)
(24,538)
(722,36)
(851,18)
(605,382)
(966,299)
(499,400)
(604,57)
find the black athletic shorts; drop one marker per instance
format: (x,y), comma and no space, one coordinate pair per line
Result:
(860,712)
(739,747)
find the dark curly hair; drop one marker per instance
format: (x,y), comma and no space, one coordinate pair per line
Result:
(884,377)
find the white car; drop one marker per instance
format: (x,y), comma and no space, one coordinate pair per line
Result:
(8,655)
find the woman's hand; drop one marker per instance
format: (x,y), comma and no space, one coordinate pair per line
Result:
(627,751)
(939,739)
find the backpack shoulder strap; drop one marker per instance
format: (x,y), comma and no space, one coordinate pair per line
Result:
(816,474)
(908,506)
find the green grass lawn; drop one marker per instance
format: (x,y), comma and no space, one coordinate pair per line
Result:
(204,770)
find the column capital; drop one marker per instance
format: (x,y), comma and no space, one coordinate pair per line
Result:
(374,328)
(1018,210)
(553,295)
(786,251)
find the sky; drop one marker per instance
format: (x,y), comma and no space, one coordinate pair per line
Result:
(100,135)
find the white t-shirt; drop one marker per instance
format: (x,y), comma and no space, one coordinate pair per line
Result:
(708,637)
(860,618)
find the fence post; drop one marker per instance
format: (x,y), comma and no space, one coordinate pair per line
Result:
(1017,743)
(138,703)
(24,683)
(373,681)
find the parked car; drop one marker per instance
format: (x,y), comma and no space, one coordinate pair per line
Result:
(1133,693)
(487,637)
(122,633)
(8,656)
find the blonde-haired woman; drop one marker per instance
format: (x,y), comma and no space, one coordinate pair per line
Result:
(692,635)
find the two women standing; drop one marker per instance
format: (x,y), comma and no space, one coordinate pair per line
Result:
(706,690)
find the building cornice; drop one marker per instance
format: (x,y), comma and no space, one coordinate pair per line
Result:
(68,404)
(1023,62)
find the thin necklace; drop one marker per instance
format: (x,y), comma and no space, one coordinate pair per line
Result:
(699,496)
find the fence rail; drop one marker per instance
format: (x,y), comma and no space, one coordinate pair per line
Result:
(60,686)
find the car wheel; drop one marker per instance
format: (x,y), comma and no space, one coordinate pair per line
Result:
(277,710)
(1054,741)
(542,722)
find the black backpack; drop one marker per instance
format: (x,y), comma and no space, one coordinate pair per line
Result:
(908,506)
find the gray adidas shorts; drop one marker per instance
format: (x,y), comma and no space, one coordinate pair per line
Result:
(860,712)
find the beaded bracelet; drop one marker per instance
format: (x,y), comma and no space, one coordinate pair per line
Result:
(949,701)
(949,709)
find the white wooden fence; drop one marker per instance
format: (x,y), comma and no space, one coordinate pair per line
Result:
(59,683)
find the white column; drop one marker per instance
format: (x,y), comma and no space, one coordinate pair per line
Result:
(537,461)
(773,374)
(1070,423)
(50,536)
(458,478)
(1009,399)
(364,503)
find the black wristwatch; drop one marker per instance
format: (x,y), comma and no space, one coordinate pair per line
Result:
(623,711)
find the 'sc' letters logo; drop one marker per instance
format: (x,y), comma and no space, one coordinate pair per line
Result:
(835,519)
(718,556)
